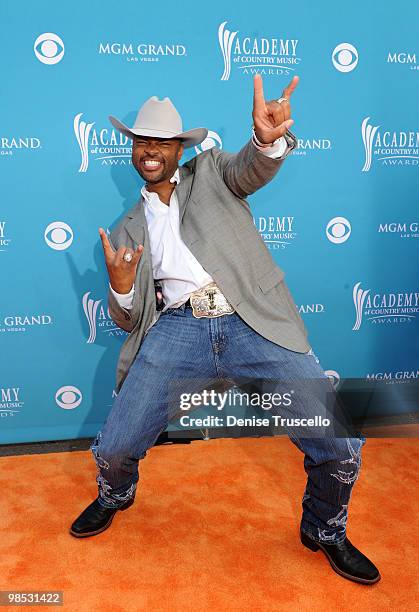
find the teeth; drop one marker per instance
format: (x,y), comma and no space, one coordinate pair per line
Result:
(151,163)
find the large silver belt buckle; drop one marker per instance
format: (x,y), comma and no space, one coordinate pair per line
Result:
(209,302)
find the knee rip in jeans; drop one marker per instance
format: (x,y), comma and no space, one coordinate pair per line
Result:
(354,462)
(100,461)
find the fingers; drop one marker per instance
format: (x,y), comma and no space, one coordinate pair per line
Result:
(119,255)
(280,111)
(281,129)
(258,97)
(289,90)
(277,112)
(127,257)
(135,255)
(107,247)
(116,258)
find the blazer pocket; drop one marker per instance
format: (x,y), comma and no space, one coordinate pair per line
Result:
(270,279)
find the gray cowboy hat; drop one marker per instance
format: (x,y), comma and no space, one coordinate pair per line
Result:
(159,118)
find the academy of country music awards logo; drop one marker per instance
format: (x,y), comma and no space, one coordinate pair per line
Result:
(251,55)
(10,401)
(276,232)
(107,145)
(384,308)
(4,241)
(391,148)
(98,317)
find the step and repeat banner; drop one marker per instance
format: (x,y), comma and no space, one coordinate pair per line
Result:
(341,217)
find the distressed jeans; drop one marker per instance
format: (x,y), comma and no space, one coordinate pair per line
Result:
(179,346)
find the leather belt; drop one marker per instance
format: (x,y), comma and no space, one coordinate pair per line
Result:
(209,301)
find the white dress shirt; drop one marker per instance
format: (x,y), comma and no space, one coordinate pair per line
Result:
(178,271)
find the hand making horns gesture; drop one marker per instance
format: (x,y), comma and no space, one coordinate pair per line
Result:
(271,119)
(121,264)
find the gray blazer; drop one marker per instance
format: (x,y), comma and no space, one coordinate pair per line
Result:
(216,224)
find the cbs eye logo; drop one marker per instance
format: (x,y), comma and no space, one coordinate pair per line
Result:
(49,48)
(68,397)
(345,57)
(338,230)
(58,235)
(212,140)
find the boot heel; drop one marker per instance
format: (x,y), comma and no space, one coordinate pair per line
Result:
(308,542)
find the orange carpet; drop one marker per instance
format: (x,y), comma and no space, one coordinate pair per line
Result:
(214,527)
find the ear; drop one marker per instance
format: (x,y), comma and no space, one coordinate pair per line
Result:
(180,151)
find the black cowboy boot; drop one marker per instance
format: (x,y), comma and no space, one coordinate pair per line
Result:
(345,559)
(95,519)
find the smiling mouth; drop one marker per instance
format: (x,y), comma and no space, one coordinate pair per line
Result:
(151,164)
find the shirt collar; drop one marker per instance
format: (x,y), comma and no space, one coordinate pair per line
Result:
(148,195)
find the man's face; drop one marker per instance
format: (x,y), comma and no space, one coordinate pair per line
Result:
(156,159)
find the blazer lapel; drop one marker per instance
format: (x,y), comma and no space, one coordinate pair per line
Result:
(136,225)
(183,189)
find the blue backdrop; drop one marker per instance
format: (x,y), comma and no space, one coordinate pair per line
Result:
(341,218)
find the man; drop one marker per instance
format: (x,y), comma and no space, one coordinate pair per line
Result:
(227,314)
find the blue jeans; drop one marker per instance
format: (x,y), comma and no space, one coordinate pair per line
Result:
(179,346)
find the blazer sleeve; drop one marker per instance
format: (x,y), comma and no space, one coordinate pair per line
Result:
(246,171)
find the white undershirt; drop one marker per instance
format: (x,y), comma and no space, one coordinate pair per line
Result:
(178,271)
